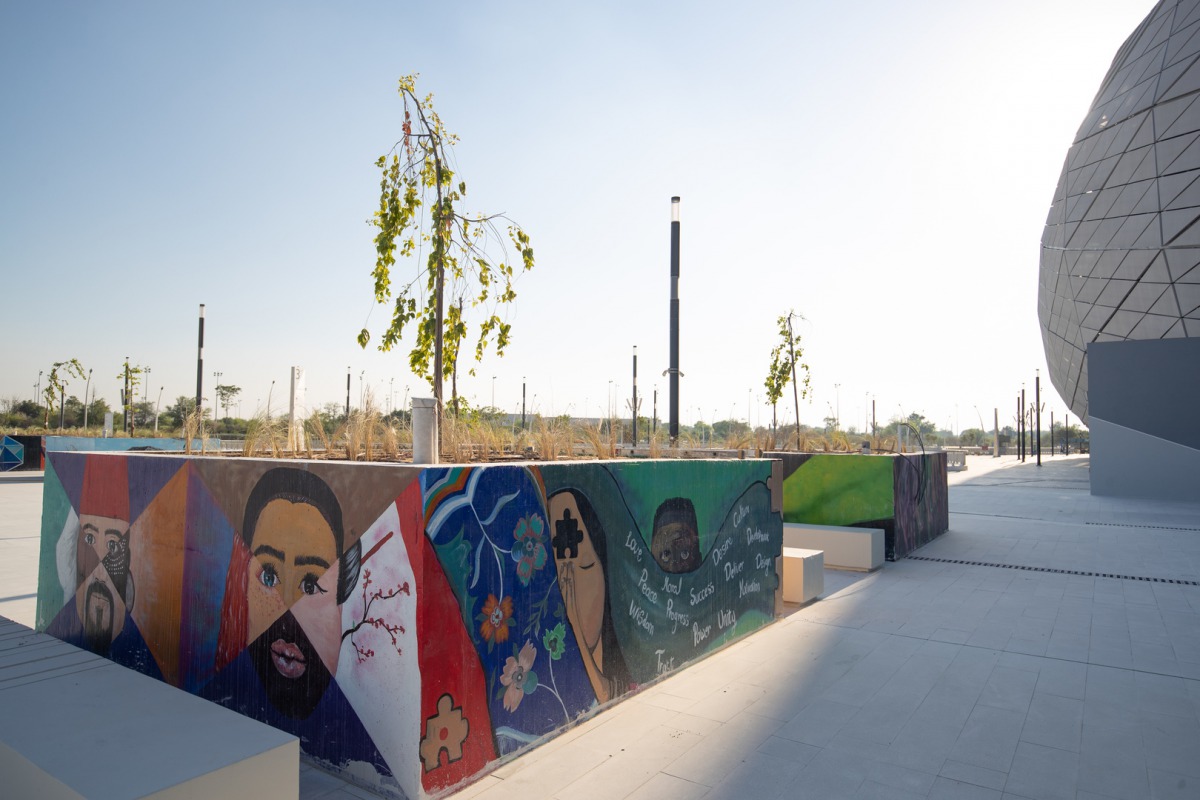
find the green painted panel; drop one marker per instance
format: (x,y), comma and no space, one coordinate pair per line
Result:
(839,490)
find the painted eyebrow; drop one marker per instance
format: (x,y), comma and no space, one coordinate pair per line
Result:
(114,532)
(271,551)
(87,526)
(305,561)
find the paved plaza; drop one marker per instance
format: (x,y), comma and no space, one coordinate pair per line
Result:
(1000,661)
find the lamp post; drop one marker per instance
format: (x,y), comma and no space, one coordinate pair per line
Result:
(837,399)
(146,387)
(493,391)
(673,369)
(347,392)
(269,392)
(85,399)
(157,404)
(522,402)
(37,387)
(1037,400)
(635,404)
(216,375)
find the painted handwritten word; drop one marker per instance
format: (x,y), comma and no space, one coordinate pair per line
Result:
(748,587)
(672,588)
(700,634)
(631,544)
(702,594)
(677,617)
(733,568)
(726,619)
(720,551)
(762,562)
(739,514)
(756,535)
(664,666)
(644,585)
(640,617)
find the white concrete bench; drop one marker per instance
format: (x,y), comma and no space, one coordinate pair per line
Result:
(74,725)
(956,460)
(845,548)
(803,574)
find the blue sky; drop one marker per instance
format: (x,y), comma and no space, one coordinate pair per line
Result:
(882,168)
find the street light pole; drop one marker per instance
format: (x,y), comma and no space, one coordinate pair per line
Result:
(85,399)
(199,363)
(216,375)
(1037,400)
(635,408)
(837,414)
(157,404)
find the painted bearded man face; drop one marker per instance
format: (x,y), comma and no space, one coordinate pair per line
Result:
(102,579)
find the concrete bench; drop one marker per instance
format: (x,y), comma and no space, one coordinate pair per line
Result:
(845,548)
(803,574)
(75,725)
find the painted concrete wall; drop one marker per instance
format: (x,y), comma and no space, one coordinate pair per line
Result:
(905,495)
(1145,433)
(412,626)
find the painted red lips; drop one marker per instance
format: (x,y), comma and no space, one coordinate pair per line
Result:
(288,659)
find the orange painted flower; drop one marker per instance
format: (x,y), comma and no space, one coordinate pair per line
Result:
(495,619)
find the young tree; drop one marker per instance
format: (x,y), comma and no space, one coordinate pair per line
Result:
(226,395)
(56,384)
(417,173)
(784,359)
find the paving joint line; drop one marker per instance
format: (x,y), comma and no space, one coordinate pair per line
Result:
(1081,572)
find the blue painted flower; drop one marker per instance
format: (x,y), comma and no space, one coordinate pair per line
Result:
(530,549)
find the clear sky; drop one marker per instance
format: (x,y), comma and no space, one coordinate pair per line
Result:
(882,168)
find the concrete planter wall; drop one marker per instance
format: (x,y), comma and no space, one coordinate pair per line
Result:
(414,626)
(906,495)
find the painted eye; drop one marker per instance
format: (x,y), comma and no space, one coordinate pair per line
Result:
(310,586)
(112,547)
(89,538)
(269,577)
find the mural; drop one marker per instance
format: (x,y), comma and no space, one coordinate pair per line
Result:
(412,626)
(905,495)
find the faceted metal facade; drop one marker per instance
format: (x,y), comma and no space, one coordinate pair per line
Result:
(1121,248)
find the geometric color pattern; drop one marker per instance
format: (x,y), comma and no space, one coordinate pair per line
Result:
(12,454)
(1120,255)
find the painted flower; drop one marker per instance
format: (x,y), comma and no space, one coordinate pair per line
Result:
(519,676)
(555,641)
(496,619)
(530,549)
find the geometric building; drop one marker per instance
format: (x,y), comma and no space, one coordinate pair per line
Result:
(1120,253)
(1119,282)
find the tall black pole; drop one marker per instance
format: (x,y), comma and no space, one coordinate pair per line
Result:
(200,363)
(654,424)
(522,403)
(1051,432)
(1037,405)
(673,429)
(1020,432)
(125,401)
(635,407)
(348,392)
(1067,434)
